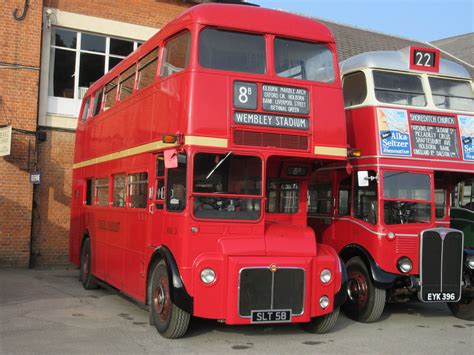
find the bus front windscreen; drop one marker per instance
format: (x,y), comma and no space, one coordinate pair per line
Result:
(407,198)
(227,186)
(452,94)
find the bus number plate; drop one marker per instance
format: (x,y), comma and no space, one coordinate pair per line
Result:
(441,297)
(273,316)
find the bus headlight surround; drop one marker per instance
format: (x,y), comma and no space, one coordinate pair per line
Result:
(325,276)
(208,276)
(470,262)
(404,264)
(324,302)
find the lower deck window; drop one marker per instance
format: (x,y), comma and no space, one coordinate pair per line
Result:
(138,190)
(102,188)
(283,197)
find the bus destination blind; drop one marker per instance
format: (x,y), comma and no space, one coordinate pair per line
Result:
(285,99)
(430,139)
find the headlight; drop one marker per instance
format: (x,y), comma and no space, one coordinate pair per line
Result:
(324,302)
(391,235)
(208,276)
(325,276)
(470,262)
(404,264)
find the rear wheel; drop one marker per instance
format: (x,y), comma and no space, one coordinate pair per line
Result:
(87,279)
(464,309)
(170,321)
(323,324)
(365,302)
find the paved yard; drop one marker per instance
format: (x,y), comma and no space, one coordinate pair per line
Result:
(48,311)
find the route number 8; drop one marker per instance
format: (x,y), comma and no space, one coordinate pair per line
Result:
(244,93)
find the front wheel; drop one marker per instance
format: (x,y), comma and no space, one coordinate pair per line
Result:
(365,301)
(322,324)
(170,321)
(464,309)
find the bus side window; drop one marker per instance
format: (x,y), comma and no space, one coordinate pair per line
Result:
(354,87)
(102,192)
(97,101)
(344,198)
(89,192)
(110,93)
(176,185)
(319,199)
(176,54)
(86,109)
(138,190)
(160,183)
(147,67)
(127,80)
(119,192)
(365,199)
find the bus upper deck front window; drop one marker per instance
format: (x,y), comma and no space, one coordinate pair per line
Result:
(397,88)
(452,94)
(407,197)
(233,51)
(303,60)
(227,186)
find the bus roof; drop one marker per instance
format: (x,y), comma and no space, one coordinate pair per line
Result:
(398,60)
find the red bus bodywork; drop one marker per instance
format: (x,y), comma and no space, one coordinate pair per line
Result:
(428,144)
(195,107)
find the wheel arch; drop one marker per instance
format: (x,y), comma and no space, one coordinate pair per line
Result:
(380,278)
(178,293)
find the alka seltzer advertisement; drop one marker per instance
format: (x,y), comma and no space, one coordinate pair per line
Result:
(394,132)
(466,127)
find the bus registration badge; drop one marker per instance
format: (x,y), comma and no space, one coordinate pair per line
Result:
(272,316)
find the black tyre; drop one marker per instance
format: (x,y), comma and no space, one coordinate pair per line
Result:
(323,324)
(170,320)
(365,302)
(464,309)
(88,281)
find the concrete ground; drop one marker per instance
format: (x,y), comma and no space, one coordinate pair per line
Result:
(48,311)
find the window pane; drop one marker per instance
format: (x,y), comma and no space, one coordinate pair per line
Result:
(92,43)
(319,199)
(234,51)
(127,79)
(452,94)
(138,190)
(110,93)
(283,197)
(345,189)
(97,102)
(118,199)
(176,55)
(147,69)
(355,89)
(91,69)
(406,186)
(395,88)
(113,62)
(89,192)
(303,60)
(85,110)
(365,200)
(176,185)
(63,38)
(102,186)
(63,63)
(440,203)
(398,212)
(121,47)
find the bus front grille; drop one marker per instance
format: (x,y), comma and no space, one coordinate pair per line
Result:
(441,252)
(262,289)
(273,140)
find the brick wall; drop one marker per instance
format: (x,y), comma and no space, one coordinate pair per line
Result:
(19,77)
(52,198)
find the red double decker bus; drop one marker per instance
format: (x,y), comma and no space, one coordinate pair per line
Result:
(191,171)
(410,125)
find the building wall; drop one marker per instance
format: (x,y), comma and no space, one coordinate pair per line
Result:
(51,215)
(20,43)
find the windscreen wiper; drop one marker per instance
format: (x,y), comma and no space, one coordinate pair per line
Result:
(218,164)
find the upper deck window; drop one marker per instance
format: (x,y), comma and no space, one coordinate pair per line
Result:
(452,94)
(400,89)
(354,88)
(176,54)
(303,60)
(147,69)
(233,51)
